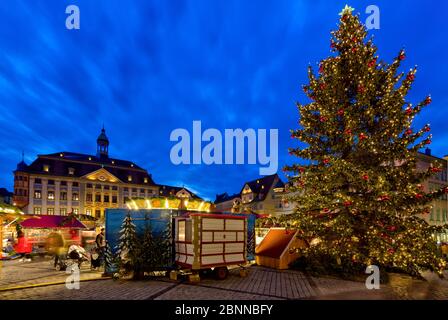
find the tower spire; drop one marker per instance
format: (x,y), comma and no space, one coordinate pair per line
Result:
(102,145)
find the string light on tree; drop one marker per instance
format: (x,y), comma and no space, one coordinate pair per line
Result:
(361,195)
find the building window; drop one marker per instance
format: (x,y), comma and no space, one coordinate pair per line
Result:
(63,211)
(89,197)
(75,184)
(98,213)
(126,189)
(89,212)
(46,168)
(115,188)
(129,178)
(106,187)
(51,182)
(142,190)
(37,194)
(89,185)
(50,195)
(114,199)
(71,171)
(37,210)
(50,211)
(75,196)
(76,211)
(98,186)
(63,196)
(106,198)
(63,183)
(98,198)
(134,189)
(145,180)
(38,180)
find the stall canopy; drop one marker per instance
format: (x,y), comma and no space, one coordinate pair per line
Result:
(52,222)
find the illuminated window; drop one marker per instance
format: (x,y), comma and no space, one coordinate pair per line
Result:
(37,194)
(37,210)
(63,211)
(50,195)
(46,168)
(181,232)
(50,211)
(75,211)
(89,197)
(75,196)
(89,212)
(129,178)
(145,180)
(71,171)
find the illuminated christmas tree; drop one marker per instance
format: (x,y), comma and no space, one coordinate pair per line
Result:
(360,198)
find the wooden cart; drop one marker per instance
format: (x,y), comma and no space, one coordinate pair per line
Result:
(210,242)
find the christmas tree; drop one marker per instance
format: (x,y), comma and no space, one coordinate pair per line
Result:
(359,198)
(127,246)
(109,259)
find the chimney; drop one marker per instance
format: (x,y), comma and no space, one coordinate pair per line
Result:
(428,151)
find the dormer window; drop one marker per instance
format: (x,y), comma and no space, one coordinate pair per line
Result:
(71,171)
(129,178)
(145,180)
(46,167)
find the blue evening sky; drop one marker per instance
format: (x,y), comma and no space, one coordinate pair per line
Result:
(144,68)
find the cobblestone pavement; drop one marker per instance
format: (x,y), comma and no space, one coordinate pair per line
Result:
(261,283)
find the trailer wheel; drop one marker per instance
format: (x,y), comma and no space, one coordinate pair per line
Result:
(221,273)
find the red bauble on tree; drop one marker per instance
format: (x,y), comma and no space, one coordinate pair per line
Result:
(427,101)
(410,77)
(348,203)
(372,63)
(408,132)
(340,112)
(362,136)
(408,110)
(365,177)
(418,196)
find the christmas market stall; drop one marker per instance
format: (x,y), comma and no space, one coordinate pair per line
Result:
(8,215)
(210,241)
(278,248)
(153,220)
(38,230)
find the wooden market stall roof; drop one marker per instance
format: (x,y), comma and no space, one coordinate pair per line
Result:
(51,222)
(275,242)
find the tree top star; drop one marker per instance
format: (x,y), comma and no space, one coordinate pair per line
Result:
(347,10)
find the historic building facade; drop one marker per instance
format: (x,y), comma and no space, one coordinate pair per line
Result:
(67,182)
(439,211)
(264,196)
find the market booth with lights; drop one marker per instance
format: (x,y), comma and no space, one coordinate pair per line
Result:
(165,215)
(8,216)
(37,229)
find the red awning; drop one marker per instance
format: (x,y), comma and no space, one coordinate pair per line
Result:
(50,222)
